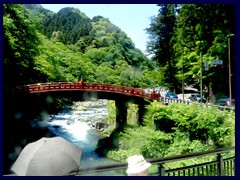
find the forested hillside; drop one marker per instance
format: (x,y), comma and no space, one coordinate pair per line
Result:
(71,46)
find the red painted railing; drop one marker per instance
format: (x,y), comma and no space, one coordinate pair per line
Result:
(87,86)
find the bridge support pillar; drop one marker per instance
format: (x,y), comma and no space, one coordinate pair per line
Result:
(141,111)
(121,114)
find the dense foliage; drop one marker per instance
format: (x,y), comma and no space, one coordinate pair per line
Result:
(173,130)
(20,46)
(180,33)
(70,23)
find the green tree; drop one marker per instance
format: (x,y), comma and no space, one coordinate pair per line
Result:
(71,22)
(38,14)
(203,28)
(60,63)
(20,46)
(176,129)
(161,33)
(106,74)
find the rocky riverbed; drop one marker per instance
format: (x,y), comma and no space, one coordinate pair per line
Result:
(81,124)
(91,112)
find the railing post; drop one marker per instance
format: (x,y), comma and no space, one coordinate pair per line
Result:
(161,170)
(220,170)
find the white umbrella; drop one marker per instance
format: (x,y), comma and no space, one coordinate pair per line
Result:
(47,157)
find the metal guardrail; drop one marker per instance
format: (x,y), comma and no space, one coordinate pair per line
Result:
(216,168)
(167,101)
(219,167)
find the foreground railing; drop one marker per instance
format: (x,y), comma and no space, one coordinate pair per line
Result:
(218,167)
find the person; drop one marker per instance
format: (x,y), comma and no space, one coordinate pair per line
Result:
(137,166)
(80,82)
(153,94)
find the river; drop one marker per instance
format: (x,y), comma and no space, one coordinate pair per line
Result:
(74,126)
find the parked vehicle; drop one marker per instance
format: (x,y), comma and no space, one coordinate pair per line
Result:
(197,97)
(223,101)
(171,95)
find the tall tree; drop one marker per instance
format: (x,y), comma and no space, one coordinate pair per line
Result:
(161,31)
(204,28)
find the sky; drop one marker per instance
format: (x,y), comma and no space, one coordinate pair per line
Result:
(130,18)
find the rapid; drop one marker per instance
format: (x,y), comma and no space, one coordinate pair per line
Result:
(76,125)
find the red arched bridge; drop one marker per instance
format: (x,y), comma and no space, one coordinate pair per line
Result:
(89,87)
(121,94)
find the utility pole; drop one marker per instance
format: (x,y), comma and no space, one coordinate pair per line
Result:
(201,75)
(229,68)
(182,82)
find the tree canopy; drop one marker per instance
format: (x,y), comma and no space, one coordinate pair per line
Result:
(179,33)
(20,46)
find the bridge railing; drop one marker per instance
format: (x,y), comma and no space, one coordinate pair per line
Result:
(102,87)
(218,167)
(88,86)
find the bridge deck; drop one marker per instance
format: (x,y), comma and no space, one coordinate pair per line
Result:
(88,86)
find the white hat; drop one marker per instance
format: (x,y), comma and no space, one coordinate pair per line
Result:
(137,164)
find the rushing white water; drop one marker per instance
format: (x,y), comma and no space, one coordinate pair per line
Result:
(77,130)
(73,125)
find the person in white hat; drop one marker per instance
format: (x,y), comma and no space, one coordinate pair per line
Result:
(137,166)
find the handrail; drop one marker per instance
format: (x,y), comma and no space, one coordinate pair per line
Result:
(122,165)
(102,87)
(88,86)
(190,155)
